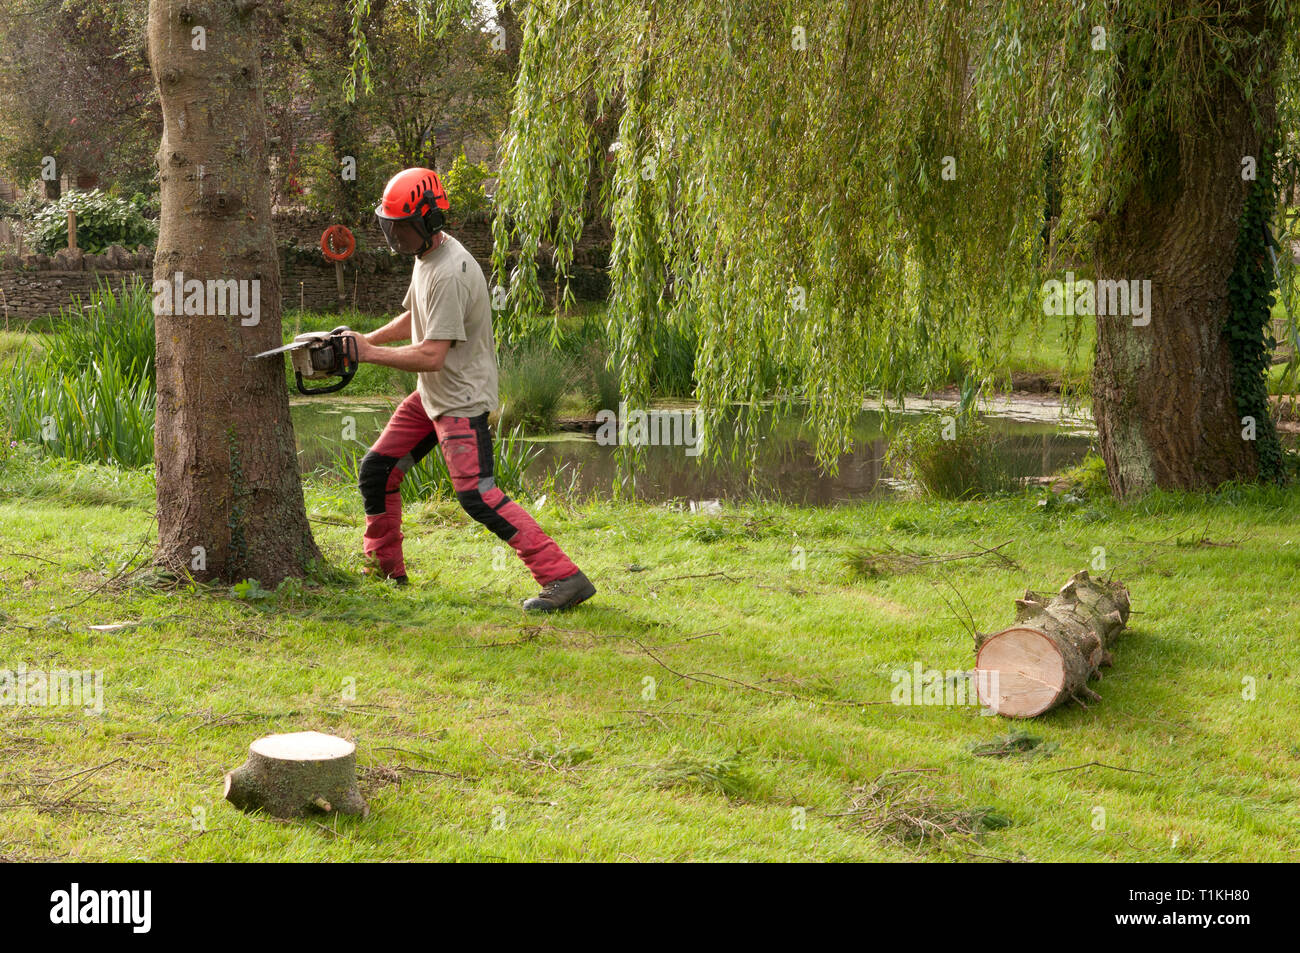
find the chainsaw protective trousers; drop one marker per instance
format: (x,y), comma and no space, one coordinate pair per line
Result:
(466,446)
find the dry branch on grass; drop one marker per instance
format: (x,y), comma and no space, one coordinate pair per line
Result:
(37,794)
(724,681)
(898,808)
(1017,744)
(719,775)
(890,561)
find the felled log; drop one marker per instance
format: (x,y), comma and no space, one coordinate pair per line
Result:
(1055,647)
(297,775)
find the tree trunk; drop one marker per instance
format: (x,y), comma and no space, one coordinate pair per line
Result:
(230,502)
(296,775)
(1054,648)
(1162,393)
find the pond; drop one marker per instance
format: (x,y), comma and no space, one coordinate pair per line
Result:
(1036,442)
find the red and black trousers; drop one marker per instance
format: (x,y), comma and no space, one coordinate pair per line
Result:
(466,445)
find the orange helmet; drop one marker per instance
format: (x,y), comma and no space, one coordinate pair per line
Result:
(416,197)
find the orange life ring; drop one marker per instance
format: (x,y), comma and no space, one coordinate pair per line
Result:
(337,243)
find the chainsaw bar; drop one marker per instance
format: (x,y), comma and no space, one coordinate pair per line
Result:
(291,346)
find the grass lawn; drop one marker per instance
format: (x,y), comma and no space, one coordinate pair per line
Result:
(14,344)
(1061,350)
(713,701)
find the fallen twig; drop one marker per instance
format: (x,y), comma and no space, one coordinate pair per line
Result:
(698,575)
(29,556)
(1095,764)
(703,679)
(125,567)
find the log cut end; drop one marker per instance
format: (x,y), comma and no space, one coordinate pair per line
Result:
(1019,673)
(1054,648)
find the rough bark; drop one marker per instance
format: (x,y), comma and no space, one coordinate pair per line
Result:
(1054,648)
(230,502)
(297,775)
(1162,393)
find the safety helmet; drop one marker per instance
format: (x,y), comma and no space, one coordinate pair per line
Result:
(415,196)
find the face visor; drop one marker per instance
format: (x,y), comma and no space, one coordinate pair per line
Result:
(406,236)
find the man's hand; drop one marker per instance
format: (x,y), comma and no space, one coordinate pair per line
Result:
(364,348)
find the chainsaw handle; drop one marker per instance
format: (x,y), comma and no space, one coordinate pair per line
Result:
(328,388)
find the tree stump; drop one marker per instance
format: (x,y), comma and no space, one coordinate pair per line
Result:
(1054,648)
(296,775)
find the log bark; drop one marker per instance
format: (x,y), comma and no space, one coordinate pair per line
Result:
(230,500)
(298,775)
(1055,647)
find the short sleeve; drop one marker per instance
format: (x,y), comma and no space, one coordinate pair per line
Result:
(410,296)
(445,311)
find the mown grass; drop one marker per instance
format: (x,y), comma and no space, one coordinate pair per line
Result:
(713,701)
(1060,350)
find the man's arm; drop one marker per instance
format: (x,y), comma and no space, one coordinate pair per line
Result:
(423,357)
(398,329)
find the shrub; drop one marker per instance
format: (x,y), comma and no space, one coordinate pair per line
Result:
(101,221)
(600,383)
(89,395)
(1088,479)
(534,379)
(673,373)
(119,321)
(327,193)
(464,184)
(970,464)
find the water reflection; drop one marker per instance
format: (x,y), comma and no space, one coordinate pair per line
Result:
(785,467)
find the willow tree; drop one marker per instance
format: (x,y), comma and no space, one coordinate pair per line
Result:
(230,501)
(841,196)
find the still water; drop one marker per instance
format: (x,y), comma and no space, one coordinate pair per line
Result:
(786,469)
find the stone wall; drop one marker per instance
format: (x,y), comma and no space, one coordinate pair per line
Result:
(36,285)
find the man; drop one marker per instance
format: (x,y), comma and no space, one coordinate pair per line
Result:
(449,323)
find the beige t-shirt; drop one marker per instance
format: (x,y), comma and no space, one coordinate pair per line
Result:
(448,301)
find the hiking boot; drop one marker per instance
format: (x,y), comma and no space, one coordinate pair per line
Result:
(562,594)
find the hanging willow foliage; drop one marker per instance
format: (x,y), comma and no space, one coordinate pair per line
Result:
(844,195)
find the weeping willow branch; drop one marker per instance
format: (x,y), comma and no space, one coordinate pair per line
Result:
(844,198)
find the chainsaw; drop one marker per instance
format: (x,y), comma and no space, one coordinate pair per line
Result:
(320,355)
